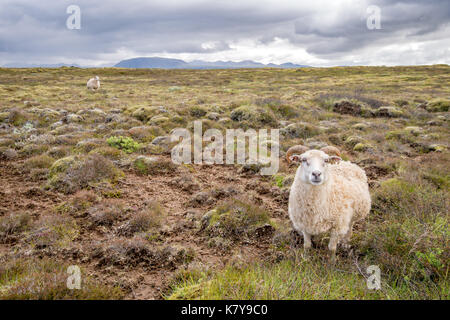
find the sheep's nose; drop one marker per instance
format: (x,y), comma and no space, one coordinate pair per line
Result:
(316,174)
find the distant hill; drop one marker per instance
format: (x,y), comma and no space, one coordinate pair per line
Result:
(35,65)
(167,63)
(154,62)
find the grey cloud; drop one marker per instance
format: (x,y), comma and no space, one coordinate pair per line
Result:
(401,21)
(36,31)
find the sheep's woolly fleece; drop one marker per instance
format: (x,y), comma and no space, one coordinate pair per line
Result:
(93,83)
(335,205)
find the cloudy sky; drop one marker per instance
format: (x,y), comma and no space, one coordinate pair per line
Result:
(313,32)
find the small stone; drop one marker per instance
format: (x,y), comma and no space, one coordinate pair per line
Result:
(213,116)
(161,140)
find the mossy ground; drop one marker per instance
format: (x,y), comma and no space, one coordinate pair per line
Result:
(70,188)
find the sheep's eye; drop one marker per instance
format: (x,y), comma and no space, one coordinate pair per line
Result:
(303,160)
(327,160)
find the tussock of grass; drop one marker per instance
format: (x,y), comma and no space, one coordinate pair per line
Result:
(71,174)
(234,219)
(47,280)
(151,217)
(53,232)
(412,245)
(289,279)
(106,212)
(294,279)
(13,224)
(39,162)
(153,165)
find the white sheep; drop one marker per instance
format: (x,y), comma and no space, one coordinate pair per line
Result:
(94,83)
(327,195)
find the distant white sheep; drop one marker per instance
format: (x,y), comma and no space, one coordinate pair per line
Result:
(93,83)
(327,195)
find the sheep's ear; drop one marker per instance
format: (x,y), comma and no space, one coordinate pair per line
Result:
(295,158)
(334,159)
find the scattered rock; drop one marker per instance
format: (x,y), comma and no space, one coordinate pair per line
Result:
(213,116)
(161,140)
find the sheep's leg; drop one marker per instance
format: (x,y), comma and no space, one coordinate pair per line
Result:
(306,244)
(306,240)
(347,238)
(334,239)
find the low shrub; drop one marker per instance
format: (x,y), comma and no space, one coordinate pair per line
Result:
(74,173)
(234,219)
(126,144)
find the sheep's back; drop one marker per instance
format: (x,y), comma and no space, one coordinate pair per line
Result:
(349,171)
(350,187)
(92,83)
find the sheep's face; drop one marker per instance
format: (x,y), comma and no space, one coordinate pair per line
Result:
(314,166)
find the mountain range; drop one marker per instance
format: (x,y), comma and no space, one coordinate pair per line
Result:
(167,63)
